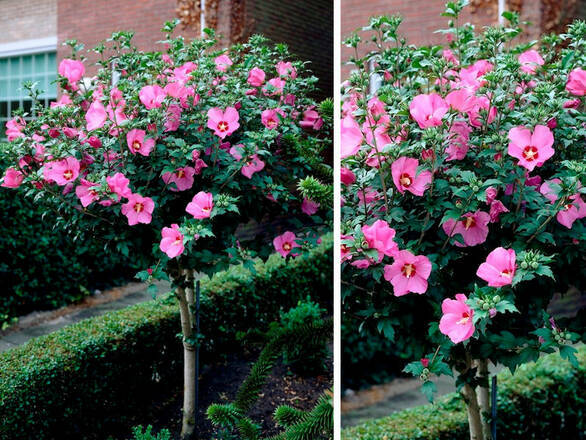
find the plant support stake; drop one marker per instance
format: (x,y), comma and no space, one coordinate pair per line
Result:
(197,353)
(493,408)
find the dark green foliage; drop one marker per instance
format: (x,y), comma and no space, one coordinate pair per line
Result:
(148,434)
(286,415)
(98,375)
(304,359)
(301,425)
(545,400)
(42,267)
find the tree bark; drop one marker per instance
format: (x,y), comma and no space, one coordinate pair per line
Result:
(186,307)
(484,397)
(474,417)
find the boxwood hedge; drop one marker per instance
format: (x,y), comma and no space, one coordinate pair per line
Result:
(42,267)
(545,400)
(96,376)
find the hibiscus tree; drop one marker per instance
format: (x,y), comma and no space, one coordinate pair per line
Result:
(187,157)
(462,201)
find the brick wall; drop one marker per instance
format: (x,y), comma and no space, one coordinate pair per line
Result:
(91,21)
(307,28)
(421,18)
(27,19)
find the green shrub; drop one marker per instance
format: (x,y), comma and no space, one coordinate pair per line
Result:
(45,268)
(304,359)
(542,401)
(148,434)
(98,375)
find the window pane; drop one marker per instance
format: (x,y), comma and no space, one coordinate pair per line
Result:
(40,66)
(27,64)
(3,67)
(3,88)
(14,66)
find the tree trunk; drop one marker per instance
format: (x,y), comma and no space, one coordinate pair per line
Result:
(186,307)
(474,418)
(484,397)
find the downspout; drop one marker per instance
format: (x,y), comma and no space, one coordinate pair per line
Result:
(202,17)
(502,8)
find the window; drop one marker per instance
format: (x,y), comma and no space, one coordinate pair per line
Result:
(14,70)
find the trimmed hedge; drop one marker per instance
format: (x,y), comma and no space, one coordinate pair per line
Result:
(42,267)
(545,400)
(96,376)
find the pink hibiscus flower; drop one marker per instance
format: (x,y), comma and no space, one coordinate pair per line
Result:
(253,165)
(224,123)
(499,268)
(457,321)
(256,77)
(408,273)
(152,96)
(532,149)
(12,178)
(62,171)
(462,100)
(181,177)
(137,143)
(172,241)
(73,70)
(530,60)
(201,205)
(223,62)
(138,209)
(87,192)
(286,69)
(428,110)
(405,178)
(459,136)
(351,137)
(380,236)
(285,243)
(576,84)
(311,120)
(96,116)
(309,207)
(473,228)
(270,119)
(118,184)
(573,210)
(14,128)
(347,177)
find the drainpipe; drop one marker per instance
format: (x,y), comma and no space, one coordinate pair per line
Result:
(502,8)
(202,17)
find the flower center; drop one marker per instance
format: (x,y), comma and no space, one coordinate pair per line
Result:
(287,246)
(68,174)
(136,145)
(507,273)
(465,318)
(138,207)
(408,270)
(180,174)
(530,153)
(469,222)
(178,240)
(206,209)
(222,126)
(271,123)
(405,180)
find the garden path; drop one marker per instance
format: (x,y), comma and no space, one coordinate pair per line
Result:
(382,400)
(42,323)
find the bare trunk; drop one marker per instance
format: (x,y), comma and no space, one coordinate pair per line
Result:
(484,397)
(474,418)
(186,307)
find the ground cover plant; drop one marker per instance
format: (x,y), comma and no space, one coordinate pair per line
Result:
(214,155)
(463,201)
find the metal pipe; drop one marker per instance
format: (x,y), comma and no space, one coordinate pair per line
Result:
(502,8)
(493,408)
(202,16)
